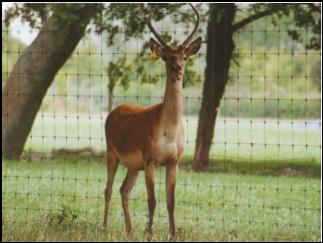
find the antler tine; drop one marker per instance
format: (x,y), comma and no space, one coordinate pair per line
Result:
(188,39)
(152,29)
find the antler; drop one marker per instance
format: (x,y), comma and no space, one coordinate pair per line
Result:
(152,29)
(188,39)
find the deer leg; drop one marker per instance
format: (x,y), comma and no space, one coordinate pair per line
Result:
(112,165)
(125,190)
(149,176)
(171,171)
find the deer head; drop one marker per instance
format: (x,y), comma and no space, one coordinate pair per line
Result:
(175,58)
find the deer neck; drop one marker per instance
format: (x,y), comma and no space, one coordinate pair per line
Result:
(172,111)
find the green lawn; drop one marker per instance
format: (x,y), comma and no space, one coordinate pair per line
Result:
(235,138)
(263,185)
(62,200)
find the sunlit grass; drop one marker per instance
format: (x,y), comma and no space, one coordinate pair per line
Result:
(263,185)
(62,200)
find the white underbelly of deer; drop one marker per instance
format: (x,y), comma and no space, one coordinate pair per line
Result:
(165,151)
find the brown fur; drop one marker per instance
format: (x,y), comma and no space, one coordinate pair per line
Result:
(125,130)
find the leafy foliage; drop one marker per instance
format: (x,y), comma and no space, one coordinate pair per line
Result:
(190,76)
(304,22)
(128,20)
(133,16)
(37,13)
(119,71)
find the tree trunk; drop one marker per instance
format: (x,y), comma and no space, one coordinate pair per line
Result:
(110,101)
(32,75)
(220,47)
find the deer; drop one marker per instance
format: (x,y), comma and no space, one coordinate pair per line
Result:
(145,138)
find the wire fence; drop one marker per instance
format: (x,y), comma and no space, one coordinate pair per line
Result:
(264,178)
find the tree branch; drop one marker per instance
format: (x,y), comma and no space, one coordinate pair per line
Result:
(254,17)
(314,7)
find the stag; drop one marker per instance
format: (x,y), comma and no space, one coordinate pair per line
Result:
(144,138)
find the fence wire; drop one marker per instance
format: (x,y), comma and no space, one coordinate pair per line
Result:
(264,171)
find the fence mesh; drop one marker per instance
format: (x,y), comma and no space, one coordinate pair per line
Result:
(264,173)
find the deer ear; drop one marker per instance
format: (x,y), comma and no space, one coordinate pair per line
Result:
(194,47)
(157,48)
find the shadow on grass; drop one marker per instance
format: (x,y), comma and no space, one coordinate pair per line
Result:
(305,168)
(297,167)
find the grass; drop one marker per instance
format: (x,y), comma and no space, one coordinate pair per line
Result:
(235,138)
(263,185)
(62,200)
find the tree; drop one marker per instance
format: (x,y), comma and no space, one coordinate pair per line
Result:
(63,27)
(118,71)
(220,49)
